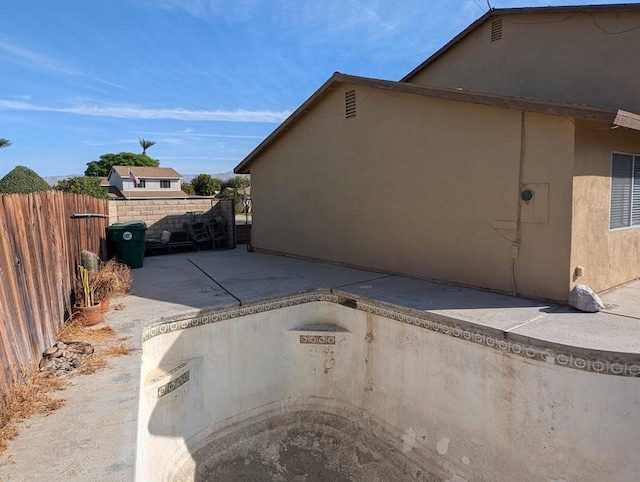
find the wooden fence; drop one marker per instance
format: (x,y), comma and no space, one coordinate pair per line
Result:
(41,237)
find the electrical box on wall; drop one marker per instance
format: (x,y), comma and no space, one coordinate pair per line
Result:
(534,203)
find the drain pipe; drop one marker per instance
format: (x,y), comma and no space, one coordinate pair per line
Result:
(515,247)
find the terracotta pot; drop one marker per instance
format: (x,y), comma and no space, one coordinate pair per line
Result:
(105,305)
(90,315)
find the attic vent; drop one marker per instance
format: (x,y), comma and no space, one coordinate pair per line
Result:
(350,104)
(496,30)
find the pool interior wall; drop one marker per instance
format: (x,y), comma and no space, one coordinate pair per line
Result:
(359,393)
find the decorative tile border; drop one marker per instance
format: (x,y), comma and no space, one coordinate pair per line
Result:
(317,340)
(164,327)
(167,388)
(548,354)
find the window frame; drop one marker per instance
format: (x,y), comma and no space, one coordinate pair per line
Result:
(140,185)
(163,182)
(634,191)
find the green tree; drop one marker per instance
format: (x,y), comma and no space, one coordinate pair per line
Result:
(83,185)
(145,144)
(22,180)
(187,188)
(4,142)
(236,188)
(205,185)
(107,161)
(237,182)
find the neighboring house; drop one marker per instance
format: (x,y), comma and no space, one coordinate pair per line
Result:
(152,182)
(501,192)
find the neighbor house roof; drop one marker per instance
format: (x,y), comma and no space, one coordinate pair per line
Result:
(147,172)
(600,114)
(115,193)
(495,12)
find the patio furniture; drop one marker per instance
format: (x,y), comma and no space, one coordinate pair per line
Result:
(219,231)
(199,233)
(169,241)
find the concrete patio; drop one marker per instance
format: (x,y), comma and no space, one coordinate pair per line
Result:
(94,436)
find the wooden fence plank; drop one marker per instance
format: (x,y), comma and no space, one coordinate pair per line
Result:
(40,245)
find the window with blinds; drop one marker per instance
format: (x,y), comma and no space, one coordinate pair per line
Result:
(625,191)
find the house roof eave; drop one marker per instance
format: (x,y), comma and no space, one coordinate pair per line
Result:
(600,114)
(494,12)
(442,50)
(627,119)
(146,172)
(243,167)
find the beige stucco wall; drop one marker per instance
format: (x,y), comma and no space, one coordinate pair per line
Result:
(414,185)
(548,56)
(608,257)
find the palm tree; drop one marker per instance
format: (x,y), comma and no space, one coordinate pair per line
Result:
(4,143)
(145,144)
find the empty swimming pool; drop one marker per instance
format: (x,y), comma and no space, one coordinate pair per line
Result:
(325,386)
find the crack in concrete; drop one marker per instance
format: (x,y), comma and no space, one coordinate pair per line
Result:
(520,325)
(216,281)
(362,281)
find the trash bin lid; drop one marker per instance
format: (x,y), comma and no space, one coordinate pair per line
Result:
(129,226)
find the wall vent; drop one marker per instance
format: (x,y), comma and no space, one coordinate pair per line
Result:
(496,30)
(350,104)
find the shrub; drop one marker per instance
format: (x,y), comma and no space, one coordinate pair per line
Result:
(187,188)
(22,180)
(205,185)
(83,185)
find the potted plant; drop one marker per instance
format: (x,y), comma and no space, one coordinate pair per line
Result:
(105,286)
(112,279)
(86,304)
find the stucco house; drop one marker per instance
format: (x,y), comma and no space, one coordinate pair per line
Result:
(470,178)
(584,54)
(134,182)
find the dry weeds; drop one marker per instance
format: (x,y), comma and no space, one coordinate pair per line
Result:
(29,396)
(31,391)
(112,280)
(104,342)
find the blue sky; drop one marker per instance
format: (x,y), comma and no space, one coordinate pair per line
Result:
(206,79)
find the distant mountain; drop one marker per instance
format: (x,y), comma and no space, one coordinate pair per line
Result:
(223,176)
(53,180)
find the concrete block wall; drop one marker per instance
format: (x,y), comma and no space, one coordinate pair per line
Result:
(159,214)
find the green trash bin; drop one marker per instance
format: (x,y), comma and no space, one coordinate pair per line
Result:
(128,242)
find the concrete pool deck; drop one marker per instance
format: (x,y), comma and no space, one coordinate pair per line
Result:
(94,436)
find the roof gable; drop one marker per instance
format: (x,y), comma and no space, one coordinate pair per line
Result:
(498,12)
(146,172)
(600,114)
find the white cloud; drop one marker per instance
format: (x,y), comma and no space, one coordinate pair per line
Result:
(42,63)
(136,112)
(191,134)
(238,10)
(201,158)
(37,60)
